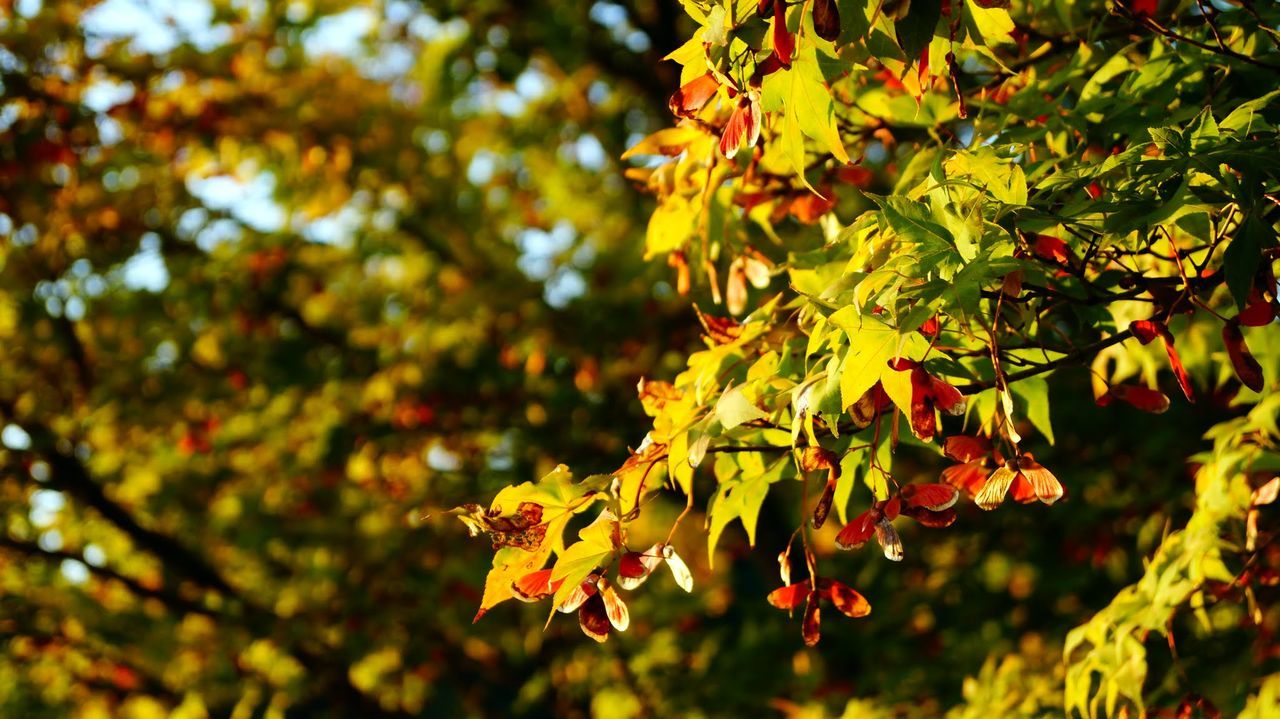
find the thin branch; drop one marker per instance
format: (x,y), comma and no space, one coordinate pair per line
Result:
(1085,352)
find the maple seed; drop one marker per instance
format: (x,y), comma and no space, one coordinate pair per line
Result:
(534,586)
(615,608)
(1028,478)
(719,330)
(890,542)
(579,596)
(846,600)
(677,261)
(826,19)
(790,596)
(811,626)
(815,458)
(634,568)
(693,96)
(934,497)
(679,570)
(593,618)
(743,127)
(1247,368)
(784,43)
(1143,398)
(1147,330)
(859,530)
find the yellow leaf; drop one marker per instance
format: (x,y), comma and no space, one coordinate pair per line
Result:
(668,141)
(670,226)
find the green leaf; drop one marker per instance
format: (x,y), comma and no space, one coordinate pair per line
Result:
(595,545)
(897,384)
(913,222)
(851,464)
(1244,254)
(807,107)
(1034,393)
(741,498)
(988,26)
(871,345)
(915,31)
(1002,179)
(717,27)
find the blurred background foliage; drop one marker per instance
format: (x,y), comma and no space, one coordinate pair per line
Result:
(281,281)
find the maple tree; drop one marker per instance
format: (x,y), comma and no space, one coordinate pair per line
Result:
(930,209)
(296,296)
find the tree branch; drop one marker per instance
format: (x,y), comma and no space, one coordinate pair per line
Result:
(1069,358)
(174,602)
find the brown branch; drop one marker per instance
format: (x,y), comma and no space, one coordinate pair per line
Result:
(1069,358)
(174,602)
(1151,24)
(69,474)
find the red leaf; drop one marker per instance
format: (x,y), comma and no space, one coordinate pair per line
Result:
(856,175)
(1147,330)
(930,327)
(693,95)
(790,596)
(815,458)
(720,330)
(924,422)
(1247,368)
(1012,284)
(766,68)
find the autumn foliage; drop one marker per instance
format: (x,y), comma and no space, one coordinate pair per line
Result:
(676,358)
